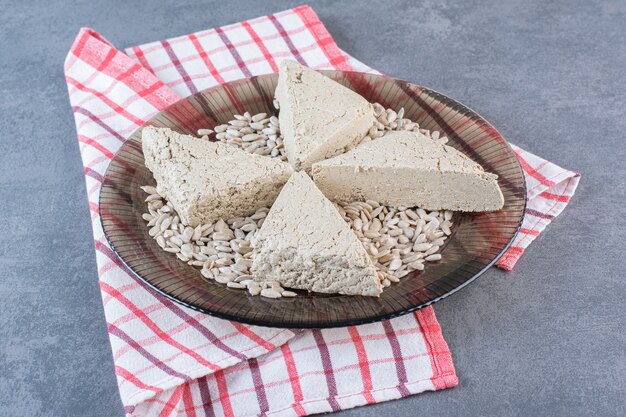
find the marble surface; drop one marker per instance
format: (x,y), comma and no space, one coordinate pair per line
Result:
(545,340)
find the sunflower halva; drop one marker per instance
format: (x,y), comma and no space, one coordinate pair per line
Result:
(319,117)
(304,243)
(409,169)
(206,181)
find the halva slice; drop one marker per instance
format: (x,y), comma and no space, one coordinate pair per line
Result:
(409,169)
(319,117)
(305,244)
(206,181)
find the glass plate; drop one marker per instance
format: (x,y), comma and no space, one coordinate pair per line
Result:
(477,241)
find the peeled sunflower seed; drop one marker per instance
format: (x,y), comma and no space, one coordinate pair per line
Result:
(270,293)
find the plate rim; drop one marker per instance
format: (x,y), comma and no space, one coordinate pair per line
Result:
(318,325)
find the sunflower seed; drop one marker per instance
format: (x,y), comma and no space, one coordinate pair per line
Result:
(417,265)
(221,236)
(187,234)
(238,123)
(149,189)
(254,289)
(207,273)
(275,285)
(187,249)
(165,224)
(244,279)
(432,250)
(410,258)
(399,274)
(204,132)
(438,242)
(222,279)
(197,233)
(371,235)
(258,117)
(395,264)
(421,247)
(221,226)
(153,197)
(270,293)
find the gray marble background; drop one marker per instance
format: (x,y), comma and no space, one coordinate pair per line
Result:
(548,339)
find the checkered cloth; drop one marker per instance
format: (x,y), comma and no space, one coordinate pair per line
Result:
(170,360)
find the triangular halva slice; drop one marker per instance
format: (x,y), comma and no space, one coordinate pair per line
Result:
(319,117)
(304,243)
(206,181)
(409,169)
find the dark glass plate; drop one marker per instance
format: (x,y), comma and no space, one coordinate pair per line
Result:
(478,239)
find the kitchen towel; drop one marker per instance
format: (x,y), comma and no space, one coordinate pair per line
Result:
(170,360)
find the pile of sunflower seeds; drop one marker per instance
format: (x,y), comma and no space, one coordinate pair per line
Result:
(399,240)
(389,120)
(256,134)
(222,249)
(260,134)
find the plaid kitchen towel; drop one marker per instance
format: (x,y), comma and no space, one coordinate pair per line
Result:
(170,360)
